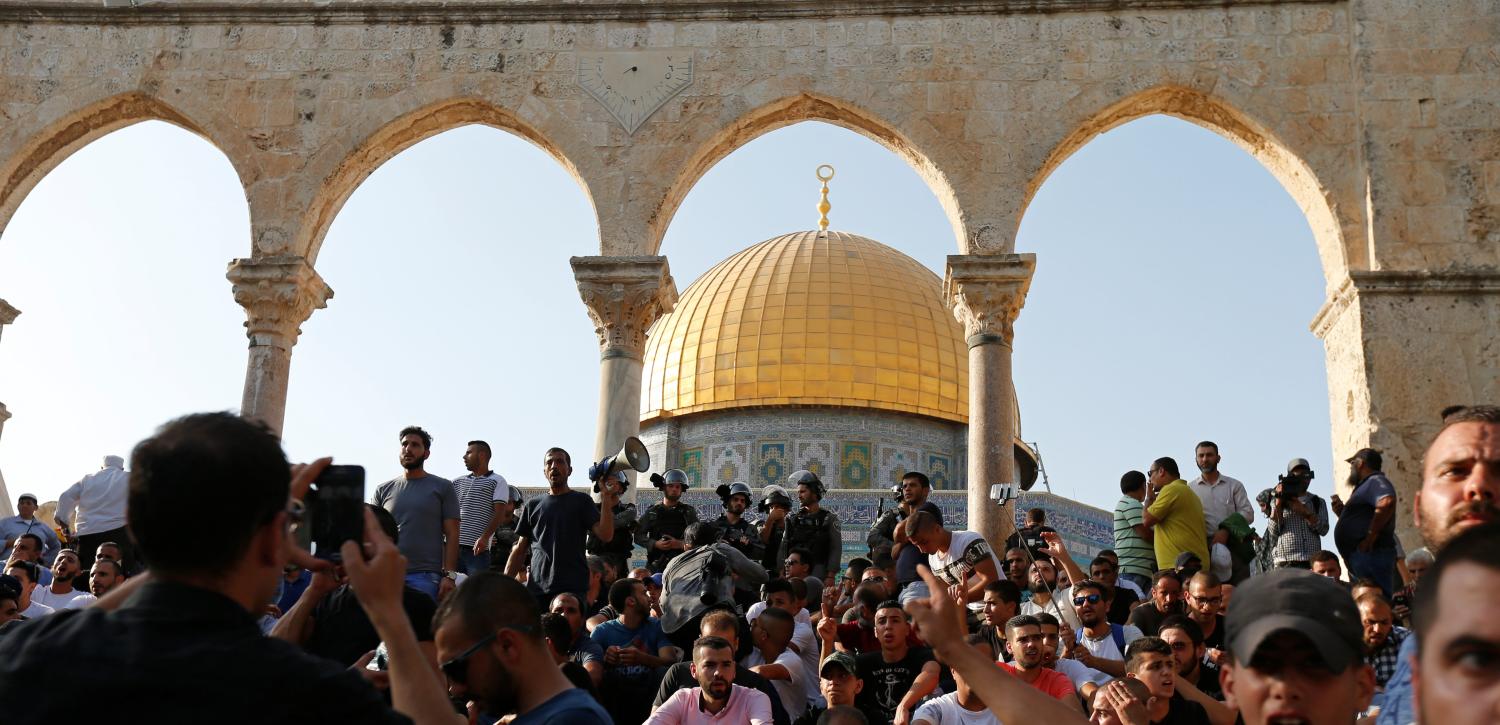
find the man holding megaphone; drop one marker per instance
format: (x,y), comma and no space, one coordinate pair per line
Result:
(552,529)
(663,525)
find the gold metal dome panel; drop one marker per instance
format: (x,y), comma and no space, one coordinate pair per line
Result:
(812,318)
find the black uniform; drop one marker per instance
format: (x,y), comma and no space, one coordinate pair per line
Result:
(617,550)
(773,548)
(819,534)
(746,529)
(659,521)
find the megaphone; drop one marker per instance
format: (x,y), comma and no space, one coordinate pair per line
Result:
(632,455)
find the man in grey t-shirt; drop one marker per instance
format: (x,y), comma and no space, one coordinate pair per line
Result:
(426,512)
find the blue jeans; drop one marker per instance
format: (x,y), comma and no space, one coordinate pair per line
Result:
(471,563)
(914,590)
(425,582)
(1376,564)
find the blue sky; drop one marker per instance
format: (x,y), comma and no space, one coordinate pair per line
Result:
(1175,281)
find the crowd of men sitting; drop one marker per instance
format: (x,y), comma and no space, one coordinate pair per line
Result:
(461,605)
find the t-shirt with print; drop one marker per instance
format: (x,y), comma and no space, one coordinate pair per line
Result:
(420,506)
(557,526)
(885,683)
(945,710)
(793,691)
(965,552)
(1052,682)
(1136,554)
(647,638)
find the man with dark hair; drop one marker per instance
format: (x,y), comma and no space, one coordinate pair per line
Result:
(1173,513)
(1150,660)
(1205,599)
(27,573)
(716,697)
(1031,535)
(1132,536)
(798,565)
(1026,641)
(635,650)
(703,579)
(1325,563)
(887,531)
(1456,630)
(814,528)
(1220,495)
(10,610)
(94,510)
(192,621)
(1294,651)
(898,676)
(485,504)
(1382,638)
(729,627)
(551,531)
(328,621)
(105,575)
(494,655)
(61,593)
(1460,487)
(962,560)
(1121,599)
(579,648)
(426,511)
(961,706)
(1103,642)
(1298,517)
(28,548)
(26,522)
(1017,564)
(1002,600)
(1166,600)
(774,659)
(1186,639)
(1366,532)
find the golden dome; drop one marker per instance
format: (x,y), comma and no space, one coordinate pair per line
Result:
(811,318)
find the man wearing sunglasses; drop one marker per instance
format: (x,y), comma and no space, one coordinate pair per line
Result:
(1103,641)
(493,655)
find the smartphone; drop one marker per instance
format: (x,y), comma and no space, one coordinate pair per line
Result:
(336,506)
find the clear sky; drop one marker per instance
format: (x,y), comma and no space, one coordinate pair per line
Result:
(1175,282)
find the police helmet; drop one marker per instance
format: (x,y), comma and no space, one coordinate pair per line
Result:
(618,475)
(738,488)
(673,475)
(808,479)
(774,496)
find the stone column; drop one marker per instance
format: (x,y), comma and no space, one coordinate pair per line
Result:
(8,315)
(1401,346)
(986,293)
(278,293)
(623,296)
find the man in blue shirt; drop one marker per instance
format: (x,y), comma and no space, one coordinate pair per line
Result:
(635,649)
(1366,532)
(26,522)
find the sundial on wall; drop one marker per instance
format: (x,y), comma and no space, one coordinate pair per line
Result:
(633,84)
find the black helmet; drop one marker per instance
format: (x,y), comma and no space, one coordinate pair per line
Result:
(774,496)
(673,475)
(738,488)
(808,479)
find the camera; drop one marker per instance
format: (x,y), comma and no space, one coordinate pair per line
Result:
(715,569)
(1291,487)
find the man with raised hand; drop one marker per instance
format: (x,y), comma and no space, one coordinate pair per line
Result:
(963,560)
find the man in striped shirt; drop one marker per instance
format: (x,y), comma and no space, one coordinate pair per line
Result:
(1132,538)
(484,503)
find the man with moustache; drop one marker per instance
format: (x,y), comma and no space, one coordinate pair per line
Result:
(1366,531)
(814,528)
(551,531)
(735,530)
(426,510)
(716,698)
(1460,483)
(61,593)
(664,524)
(1166,600)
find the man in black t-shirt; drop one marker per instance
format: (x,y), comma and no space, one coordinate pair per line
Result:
(887,531)
(1186,639)
(898,676)
(553,528)
(1150,660)
(1205,599)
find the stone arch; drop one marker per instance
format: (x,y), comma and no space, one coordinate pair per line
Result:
(786,112)
(46,147)
(1296,176)
(400,134)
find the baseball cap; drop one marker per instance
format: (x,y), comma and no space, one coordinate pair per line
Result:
(655,579)
(1295,462)
(1299,601)
(1187,556)
(1370,456)
(842,659)
(25,496)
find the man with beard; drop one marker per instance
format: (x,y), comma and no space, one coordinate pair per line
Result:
(581,648)
(1150,660)
(426,511)
(1186,639)
(1166,600)
(1366,532)
(1460,635)
(887,532)
(1460,482)
(726,626)
(1103,642)
(103,578)
(1382,637)
(551,531)
(1298,517)
(814,528)
(1219,494)
(734,529)
(664,524)
(634,650)
(898,676)
(1047,597)
(1085,679)
(484,505)
(1205,599)
(493,655)
(1174,514)
(61,593)
(617,550)
(1026,641)
(1017,563)
(716,698)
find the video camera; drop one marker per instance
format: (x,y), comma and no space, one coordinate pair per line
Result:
(1292,485)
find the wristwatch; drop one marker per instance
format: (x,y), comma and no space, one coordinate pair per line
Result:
(450,575)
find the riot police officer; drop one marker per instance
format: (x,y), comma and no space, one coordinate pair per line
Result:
(813,528)
(617,550)
(734,529)
(775,505)
(663,524)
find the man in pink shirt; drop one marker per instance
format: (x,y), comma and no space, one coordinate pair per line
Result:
(716,698)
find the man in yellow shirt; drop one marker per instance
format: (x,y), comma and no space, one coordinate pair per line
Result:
(1173,513)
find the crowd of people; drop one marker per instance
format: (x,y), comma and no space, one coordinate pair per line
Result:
(464,602)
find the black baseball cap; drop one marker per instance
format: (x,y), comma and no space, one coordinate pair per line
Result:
(1370,456)
(1300,601)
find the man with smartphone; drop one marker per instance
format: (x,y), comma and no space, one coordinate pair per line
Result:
(427,513)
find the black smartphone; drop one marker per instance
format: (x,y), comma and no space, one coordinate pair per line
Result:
(336,506)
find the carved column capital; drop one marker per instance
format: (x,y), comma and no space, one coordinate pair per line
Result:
(8,314)
(278,293)
(986,293)
(624,295)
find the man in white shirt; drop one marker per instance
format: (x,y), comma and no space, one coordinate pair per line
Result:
(773,659)
(960,559)
(61,592)
(1046,597)
(100,502)
(1220,494)
(962,706)
(25,573)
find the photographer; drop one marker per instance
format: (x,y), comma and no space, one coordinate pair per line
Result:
(1298,518)
(703,579)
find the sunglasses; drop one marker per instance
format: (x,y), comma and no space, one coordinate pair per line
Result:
(1091,599)
(457,669)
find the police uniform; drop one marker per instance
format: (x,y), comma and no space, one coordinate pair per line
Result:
(618,550)
(662,520)
(746,529)
(819,534)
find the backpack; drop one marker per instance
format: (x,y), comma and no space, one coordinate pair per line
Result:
(1116,632)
